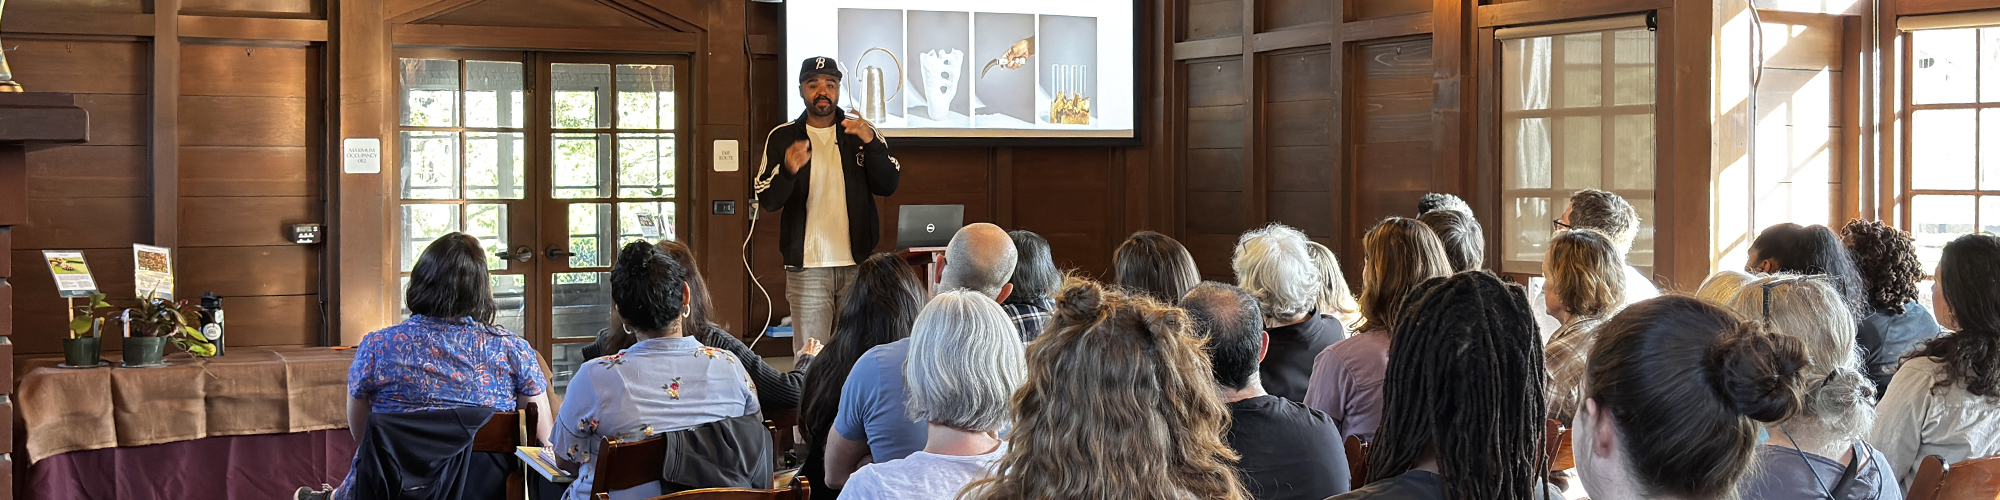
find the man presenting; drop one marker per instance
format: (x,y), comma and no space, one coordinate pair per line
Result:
(823,170)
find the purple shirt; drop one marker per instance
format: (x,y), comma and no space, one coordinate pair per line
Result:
(435,364)
(1346,382)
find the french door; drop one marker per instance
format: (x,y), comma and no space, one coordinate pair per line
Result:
(552,160)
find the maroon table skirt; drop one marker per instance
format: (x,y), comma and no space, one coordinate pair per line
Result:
(259,467)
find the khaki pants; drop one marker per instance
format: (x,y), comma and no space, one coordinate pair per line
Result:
(814,294)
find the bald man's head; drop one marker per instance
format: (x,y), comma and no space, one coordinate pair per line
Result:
(980,258)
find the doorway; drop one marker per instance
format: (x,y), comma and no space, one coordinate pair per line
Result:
(551,182)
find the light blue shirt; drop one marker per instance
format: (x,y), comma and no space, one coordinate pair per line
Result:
(872,405)
(657,385)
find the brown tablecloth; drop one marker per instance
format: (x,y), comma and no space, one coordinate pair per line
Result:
(248,391)
(262,467)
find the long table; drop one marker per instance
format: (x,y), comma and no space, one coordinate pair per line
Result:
(253,424)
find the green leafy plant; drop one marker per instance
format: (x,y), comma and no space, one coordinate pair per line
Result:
(85,319)
(157,317)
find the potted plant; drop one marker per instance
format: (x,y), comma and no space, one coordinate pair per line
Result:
(85,343)
(157,321)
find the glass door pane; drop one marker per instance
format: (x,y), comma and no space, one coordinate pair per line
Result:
(611,156)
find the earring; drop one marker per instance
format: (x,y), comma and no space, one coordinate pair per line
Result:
(628,329)
(686,313)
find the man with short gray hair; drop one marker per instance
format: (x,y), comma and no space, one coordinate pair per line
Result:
(872,425)
(1290,452)
(1271,264)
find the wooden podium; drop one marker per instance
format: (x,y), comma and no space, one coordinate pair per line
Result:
(28,121)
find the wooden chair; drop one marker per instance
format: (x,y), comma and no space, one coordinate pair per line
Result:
(1978,478)
(1560,455)
(800,490)
(501,434)
(1357,461)
(507,430)
(781,423)
(625,465)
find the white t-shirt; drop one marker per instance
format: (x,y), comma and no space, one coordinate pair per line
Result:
(922,476)
(826,243)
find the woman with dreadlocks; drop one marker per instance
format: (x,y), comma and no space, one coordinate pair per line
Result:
(1673,393)
(1119,402)
(1462,404)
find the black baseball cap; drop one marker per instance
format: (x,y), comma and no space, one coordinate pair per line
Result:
(819,66)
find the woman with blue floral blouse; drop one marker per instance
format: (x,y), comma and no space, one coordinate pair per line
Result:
(449,354)
(664,383)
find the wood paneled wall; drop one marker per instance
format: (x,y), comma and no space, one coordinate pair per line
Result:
(1329,116)
(206,135)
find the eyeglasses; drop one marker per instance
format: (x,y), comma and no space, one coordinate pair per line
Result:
(1560,225)
(1768,285)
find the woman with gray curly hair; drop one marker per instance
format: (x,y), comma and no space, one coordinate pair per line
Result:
(1818,452)
(965,362)
(1274,263)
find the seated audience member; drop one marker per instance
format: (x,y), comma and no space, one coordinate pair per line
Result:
(665,382)
(1274,265)
(1118,403)
(1462,414)
(448,355)
(1289,451)
(872,425)
(1334,297)
(1155,265)
(1672,397)
(1791,248)
(1035,277)
(1585,287)
(1431,202)
(878,308)
(965,361)
(1346,381)
(1720,288)
(1945,401)
(1610,214)
(1464,242)
(1823,440)
(776,391)
(1893,323)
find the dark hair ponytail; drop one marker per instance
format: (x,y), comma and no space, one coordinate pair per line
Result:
(1757,373)
(1686,383)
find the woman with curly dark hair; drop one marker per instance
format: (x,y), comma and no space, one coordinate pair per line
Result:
(1946,399)
(1895,322)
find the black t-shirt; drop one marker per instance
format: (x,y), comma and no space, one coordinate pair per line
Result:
(1288,363)
(1289,451)
(1412,485)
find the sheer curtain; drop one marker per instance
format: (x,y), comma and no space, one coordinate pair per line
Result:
(1576,112)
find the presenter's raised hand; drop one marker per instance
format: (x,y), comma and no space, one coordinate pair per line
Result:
(797,155)
(858,127)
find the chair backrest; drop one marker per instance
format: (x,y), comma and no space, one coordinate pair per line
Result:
(799,490)
(625,465)
(1971,479)
(781,423)
(1560,455)
(1357,461)
(506,430)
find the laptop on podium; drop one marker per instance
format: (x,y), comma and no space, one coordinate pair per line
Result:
(920,226)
